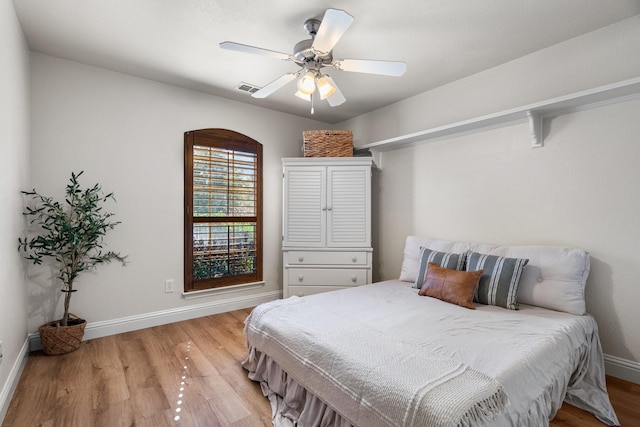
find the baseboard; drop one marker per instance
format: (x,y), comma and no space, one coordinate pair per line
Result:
(12,381)
(622,368)
(147,320)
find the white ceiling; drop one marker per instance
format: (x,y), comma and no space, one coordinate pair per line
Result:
(176,41)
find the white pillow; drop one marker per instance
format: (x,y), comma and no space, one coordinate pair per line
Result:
(411,260)
(555,277)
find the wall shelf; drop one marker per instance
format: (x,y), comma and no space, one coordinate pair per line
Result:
(533,113)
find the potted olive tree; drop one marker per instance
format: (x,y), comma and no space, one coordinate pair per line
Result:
(71,233)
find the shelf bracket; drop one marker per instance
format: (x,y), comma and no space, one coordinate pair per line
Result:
(377,158)
(536,123)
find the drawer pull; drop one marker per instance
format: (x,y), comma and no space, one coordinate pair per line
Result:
(300,258)
(300,294)
(354,259)
(300,278)
(354,279)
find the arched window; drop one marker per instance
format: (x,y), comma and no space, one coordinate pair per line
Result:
(222,209)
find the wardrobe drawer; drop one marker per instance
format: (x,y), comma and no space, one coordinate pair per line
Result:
(326,258)
(321,276)
(301,291)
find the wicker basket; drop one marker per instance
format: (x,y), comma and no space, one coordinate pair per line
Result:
(328,143)
(57,339)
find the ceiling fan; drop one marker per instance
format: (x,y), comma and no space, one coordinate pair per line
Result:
(316,53)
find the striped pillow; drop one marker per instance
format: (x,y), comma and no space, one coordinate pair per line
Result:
(443,259)
(499,282)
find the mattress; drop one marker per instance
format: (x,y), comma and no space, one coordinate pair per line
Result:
(539,357)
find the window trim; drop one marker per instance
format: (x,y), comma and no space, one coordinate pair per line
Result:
(230,140)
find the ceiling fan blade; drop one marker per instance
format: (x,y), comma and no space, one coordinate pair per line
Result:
(275,85)
(254,50)
(336,98)
(334,24)
(385,68)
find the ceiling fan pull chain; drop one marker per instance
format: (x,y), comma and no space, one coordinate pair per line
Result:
(312,103)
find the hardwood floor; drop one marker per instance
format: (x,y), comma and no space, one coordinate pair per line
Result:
(189,370)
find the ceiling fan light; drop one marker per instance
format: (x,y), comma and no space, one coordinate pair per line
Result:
(305,96)
(325,88)
(307,84)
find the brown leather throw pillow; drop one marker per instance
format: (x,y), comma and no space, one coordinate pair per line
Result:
(453,286)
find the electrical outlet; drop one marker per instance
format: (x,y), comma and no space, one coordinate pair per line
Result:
(168,285)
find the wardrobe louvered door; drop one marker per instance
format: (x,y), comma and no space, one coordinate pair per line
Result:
(305,211)
(348,206)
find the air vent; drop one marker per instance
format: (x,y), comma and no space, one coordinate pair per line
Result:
(246,87)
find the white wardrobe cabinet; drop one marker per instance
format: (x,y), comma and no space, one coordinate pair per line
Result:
(326,240)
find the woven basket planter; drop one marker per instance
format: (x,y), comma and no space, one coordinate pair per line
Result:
(57,339)
(328,143)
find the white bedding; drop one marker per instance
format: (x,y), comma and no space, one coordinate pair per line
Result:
(537,355)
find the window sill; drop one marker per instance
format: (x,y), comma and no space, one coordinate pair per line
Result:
(222,291)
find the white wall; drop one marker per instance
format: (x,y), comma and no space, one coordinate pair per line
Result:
(14,174)
(127,134)
(581,189)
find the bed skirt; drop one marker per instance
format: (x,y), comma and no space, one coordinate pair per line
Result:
(291,404)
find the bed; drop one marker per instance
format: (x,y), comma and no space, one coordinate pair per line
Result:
(383,355)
